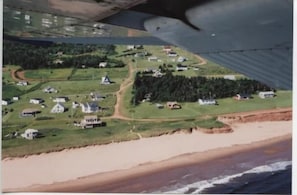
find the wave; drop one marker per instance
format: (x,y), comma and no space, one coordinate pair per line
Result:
(200,186)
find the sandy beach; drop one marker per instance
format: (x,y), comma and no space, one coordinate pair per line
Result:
(118,160)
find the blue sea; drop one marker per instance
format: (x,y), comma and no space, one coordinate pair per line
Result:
(274,178)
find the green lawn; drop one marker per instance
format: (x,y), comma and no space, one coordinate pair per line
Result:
(194,110)
(45,74)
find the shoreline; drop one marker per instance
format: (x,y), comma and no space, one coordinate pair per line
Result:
(149,174)
(44,171)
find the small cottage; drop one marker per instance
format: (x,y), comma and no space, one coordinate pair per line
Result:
(58,108)
(173,105)
(102,64)
(22,83)
(89,107)
(30,134)
(242,96)
(29,112)
(5,102)
(105,80)
(97,96)
(49,89)
(36,101)
(266,94)
(90,122)
(61,99)
(207,101)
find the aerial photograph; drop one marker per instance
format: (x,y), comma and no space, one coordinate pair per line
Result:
(147,96)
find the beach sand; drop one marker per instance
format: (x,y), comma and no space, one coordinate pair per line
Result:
(79,169)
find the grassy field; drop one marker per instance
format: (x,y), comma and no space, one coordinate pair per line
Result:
(194,110)
(59,131)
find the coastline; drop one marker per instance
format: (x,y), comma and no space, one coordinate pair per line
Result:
(80,169)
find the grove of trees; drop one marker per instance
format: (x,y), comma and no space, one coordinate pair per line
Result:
(30,56)
(184,89)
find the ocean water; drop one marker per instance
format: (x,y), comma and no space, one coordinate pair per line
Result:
(274,178)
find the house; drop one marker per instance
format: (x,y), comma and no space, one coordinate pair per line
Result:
(173,105)
(36,101)
(157,74)
(90,122)
(130,47)
(230,77)
(22,83)
(180,67)
(105,80)
(242,96)
(29,112)
(30,134)
(89,107)
(207,101)
(160,106)
(167,48)
(181,59)
(96,96)
(58,108)
(152,58)
(172,54)
(61,99)
(5,102)
(58,61)
(16,98)
(266,94)
(75,105)
(49,89)
(102,64)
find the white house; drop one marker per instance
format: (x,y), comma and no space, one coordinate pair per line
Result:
(96,96)
(22,83)
(89,107)
(30,134)
(60,99)
(5,102)
(105,80)
(90,122)
(230,77)
(16,98)
(102,64)
(152,58)
(172,54)
(50,90)
(36,101)
(75,105)
(58,108)
(181,59)
(242,96)
(181,68)
(207,101)
(266,94)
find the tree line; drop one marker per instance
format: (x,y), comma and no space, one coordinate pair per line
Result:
(30,56)
(184,89)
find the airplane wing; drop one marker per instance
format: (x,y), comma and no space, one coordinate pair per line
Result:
(253,37)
